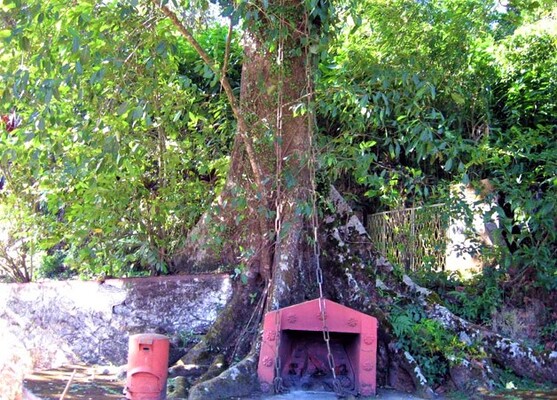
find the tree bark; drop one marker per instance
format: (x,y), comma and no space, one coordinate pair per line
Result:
(273,83)
(261,228)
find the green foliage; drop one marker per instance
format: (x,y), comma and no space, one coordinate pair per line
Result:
(474,299)
(126,132)
(425,95)
(522,152)
(240,273)
(478,299)
(528,68)
(549,332)
(125,137)
(415,91)
(433,347)
(52,266)
(512,386)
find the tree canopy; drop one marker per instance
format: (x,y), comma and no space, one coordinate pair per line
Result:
(126,133)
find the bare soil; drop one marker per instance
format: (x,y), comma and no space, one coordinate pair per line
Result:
(92,384)
(88,383)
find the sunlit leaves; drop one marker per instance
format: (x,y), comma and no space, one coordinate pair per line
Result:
(446,98)
(117,137)
(413,78)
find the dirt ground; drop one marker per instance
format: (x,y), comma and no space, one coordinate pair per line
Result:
(102,383)
(90,383)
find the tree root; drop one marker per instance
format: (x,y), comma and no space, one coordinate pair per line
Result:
(354,254)
(472,376)
(409,364)
(521,359)
(240,380)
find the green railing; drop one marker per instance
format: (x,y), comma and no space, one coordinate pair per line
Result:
(413,237)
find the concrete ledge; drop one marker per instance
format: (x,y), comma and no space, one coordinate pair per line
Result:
(61,322)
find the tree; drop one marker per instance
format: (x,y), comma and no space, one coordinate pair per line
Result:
(132,136)
(280,282)
(76,76)
(269,196)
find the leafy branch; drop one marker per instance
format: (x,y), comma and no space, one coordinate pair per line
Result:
(242,125)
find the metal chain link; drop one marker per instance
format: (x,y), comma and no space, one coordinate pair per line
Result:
(326,333)
(278,385)
(337,387)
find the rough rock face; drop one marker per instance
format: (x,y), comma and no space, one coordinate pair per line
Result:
(75,321)
(14,361)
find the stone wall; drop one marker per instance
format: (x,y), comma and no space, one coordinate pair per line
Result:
(62,322)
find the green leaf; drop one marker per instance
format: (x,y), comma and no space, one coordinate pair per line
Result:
(228,11)
(24,43)
(123,108)
(40,124)
(161,48)
(458,99)
(177,116)
(137,113)
(465,179)
(448,165)
(75,44)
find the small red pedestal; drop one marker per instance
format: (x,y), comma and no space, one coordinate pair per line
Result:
(147,367)
(303,353)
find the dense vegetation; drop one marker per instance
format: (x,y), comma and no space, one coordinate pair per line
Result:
(124,140)
(125,136)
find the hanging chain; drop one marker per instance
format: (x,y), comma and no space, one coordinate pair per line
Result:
(323,306)
(337,387)
(278,384)
(277,381)
(278,149)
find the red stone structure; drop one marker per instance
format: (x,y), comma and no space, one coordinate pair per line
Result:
(294,346)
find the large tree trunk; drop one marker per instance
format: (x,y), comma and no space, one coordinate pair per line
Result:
(258,224)
(260,200)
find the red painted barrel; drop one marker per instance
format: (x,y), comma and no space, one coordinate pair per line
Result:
(147,367)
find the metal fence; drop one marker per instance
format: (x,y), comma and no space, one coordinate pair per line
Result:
(413,237)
